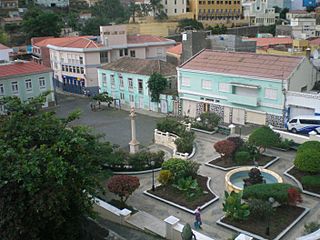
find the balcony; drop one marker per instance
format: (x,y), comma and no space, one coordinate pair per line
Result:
(243,100)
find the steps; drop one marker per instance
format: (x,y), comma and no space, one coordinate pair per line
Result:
(147,222)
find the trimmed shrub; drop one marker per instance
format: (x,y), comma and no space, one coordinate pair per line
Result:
(308,157)
(209,121)
(181,168)
(165,177)
(285,144)
(242,157)
(294,196)
(238,142)
(311,181)
(187,233)
(264,137)
(225,148)
(170,125)
(260,208)
(278,191)
(185,142)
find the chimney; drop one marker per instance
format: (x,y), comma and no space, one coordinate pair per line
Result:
(308,53)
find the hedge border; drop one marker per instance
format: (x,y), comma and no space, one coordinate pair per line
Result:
(284,232)
(182,207)
(286,173)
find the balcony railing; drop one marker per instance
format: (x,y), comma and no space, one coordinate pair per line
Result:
(243,100)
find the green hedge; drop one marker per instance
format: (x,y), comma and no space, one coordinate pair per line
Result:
(308,157)
(181,168)
(278,191)
(242,157)
(312,181)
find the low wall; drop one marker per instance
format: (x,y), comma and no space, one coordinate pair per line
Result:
(312,236)
(167,139)
(299,139)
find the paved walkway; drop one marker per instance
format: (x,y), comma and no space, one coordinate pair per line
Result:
(211,214)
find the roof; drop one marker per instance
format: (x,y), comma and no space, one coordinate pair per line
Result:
(298,11)
(71,42)
(177,50)
(145,39)
(22,68)
(141,66)
(263,42)
(315,41)
(243,64)
(2,47)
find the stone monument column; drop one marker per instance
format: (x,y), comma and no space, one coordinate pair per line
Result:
(134,144)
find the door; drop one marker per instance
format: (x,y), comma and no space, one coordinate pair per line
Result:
(298,111)
(141,102)
(238,116)
(164,106)
(256,118)
(226,115)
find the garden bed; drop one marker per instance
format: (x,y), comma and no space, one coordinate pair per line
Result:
(284,218)
(265,160)
(173,196)
(297,175)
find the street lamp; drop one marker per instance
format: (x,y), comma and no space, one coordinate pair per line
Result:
(152,164)
(271,201)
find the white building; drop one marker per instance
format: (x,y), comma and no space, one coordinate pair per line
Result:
(258,12)
(53,3)
(303,28)
(4,53)
(174,7)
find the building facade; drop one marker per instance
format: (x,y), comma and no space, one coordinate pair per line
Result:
(174,7)
(303,28)
(242,87)
(53,3)
(9,4)
(26,80)
(257,12)
(127,81)
(215,10)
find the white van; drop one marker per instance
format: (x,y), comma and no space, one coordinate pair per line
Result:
(304,124)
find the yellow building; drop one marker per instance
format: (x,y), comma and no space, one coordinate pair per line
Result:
(215,9)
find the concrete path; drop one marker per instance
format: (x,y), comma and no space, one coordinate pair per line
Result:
(211,214)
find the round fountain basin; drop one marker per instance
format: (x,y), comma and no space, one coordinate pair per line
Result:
(234,178)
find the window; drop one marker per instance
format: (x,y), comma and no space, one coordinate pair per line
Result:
(42,83)
(14,87)
(131,97)
(310,121)
(126,52)
(175,10)
(103,57)
(121,81)
(81,60)
(121,52)
(132,53)
(112,80)
(78,69)
(104,79)
(82,70)
(1,89)
(74,69)
(206,84)
(130,83)
(159,51)
(122,96)
(293,121)
(185,82)
(270,93)
(28,85)
(224,87)
(140,86)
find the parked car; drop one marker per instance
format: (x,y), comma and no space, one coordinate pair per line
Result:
(304,124)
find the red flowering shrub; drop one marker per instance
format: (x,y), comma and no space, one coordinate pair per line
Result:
(123,186)
(294,196)
(225,148)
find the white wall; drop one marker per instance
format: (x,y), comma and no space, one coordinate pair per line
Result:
(305,100)
(4,54)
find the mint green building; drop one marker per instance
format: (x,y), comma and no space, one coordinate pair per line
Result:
(26,80)
(126,79)
(242,87)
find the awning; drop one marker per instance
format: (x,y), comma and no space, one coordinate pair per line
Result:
(244,85)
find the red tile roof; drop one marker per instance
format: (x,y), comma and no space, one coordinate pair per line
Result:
(2,47)
(21,68)
(264,42)
(177,50)
(315,41)
(244,64)
(71,42)
(145,39)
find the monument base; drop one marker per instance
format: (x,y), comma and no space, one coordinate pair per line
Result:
(134,146)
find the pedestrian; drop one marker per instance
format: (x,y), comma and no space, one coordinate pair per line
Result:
(198,222)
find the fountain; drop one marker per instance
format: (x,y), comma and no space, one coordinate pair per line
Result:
(237,178)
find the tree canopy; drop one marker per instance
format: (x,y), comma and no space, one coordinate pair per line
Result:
(157,84)
(49,172)
(39,23)
(189,23)
(3,37)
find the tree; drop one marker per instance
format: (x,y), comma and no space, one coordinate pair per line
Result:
(157,84)
(225,148)
(189,23)
(49,172)
(123,186)
(156,6)
(92,25)
(3,37)
(39,23)
(110,11)
(308,157)
(264,137)
(133,9)
(103,97)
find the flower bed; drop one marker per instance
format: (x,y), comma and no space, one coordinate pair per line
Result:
(264,160)
(300,175)
(284,217)
(171,195)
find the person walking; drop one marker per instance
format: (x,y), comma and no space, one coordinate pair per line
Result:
(198,222)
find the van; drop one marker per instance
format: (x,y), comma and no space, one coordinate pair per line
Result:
(304,124)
